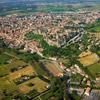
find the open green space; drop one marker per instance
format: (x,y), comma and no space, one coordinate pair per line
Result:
(16,60)
(94,69)
(7,85)
(38,84)
(39,69)
(32,36)
(57,9)
(6,69)
(94,27)
(4,58)
(40,8)
(57,90)
(52,51)
(47,8)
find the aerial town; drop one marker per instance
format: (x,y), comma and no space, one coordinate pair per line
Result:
(50,56)
(56,29)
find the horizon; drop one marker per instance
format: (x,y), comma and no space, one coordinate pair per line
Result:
(51,1)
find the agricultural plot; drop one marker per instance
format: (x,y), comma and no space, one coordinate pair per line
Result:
(95,69)
(7,76)
(35,83)
(39,68)
(53,68)
(4,58)
(94,27)
(7,85)
(12,64)
(25,71)
(17,75)
(89,59)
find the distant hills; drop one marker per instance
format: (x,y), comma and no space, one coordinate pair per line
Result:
(25,6)
(52,1)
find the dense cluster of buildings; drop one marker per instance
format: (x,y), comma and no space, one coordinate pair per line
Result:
(57,29)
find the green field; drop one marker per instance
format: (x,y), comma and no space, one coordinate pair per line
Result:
(56,9)
(94,27)
(5,69)
(39,8)
(4,58)
(95,69)
(48,8)
(39,69)
(32,36)
(7,85)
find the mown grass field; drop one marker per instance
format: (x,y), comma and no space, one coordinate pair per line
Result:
(7,85)
(4,58)
(94,27)
(95,69)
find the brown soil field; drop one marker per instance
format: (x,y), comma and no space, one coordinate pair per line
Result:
(24,89)
(53,68)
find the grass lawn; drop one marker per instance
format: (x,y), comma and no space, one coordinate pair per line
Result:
(3,71)
(15,63)
(65,61)
(6,84)
(4,58)
(32,36)
(94,29)
(95,69)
